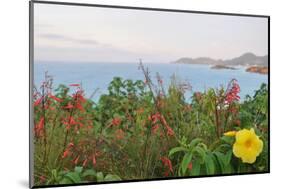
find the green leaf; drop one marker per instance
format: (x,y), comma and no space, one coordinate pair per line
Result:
(74,177)
(195,171)
(54,173)
(222,147)
(110,177)
(194,142)
(185,161)
(228,157)
(78,169)
(100,176)
(219,157)
(65,181)
(210,166)
(227,139)
(89,172)
(176,149)
(224,161)
(201,153)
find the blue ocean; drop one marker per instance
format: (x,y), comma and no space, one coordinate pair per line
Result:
(97,76)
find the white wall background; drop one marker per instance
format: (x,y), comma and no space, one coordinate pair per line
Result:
(14,92)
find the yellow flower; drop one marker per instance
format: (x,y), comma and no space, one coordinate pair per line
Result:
(230,133)
(247,145)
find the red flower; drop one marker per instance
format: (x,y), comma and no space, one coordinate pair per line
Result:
(42,179)
(70,145)
(85,162)
(69,106)
(163,120)
(116,121)
(38,101)
(170,131)
(72,121)
(80,107)
(76,160)
(55,98)
(69,122)
(94,160)
(189,166)
(79,96)
(232,93)
(155,117)
(65,154)
(168,164)
(155,128)
(39,127)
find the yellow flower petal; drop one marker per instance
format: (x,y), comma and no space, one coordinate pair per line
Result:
(230,133)
(247,145)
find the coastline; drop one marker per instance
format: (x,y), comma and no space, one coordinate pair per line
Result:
(248,68)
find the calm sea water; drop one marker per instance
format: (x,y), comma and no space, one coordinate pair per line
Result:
(94,76)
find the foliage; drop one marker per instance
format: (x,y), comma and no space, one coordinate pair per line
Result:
(140,130)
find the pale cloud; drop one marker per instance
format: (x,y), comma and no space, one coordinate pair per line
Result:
(59,37)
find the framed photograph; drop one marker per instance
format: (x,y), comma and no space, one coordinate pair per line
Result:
(126,94)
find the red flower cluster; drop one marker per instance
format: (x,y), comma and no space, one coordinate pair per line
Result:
(75,161)
(55,98)
(38,101)
(78,98)
(232,93)
(71,151)
(42,179)
(69,106)
(70,122)
(170,131)
(155,128)
(154,118)
(39,127)
(67,152)
(116,121)
(168,165)
(158,117)
(94,160)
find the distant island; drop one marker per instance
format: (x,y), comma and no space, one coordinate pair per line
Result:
(218,67)
(253,63)
(258,69)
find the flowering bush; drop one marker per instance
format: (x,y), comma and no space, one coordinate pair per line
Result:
(139,130)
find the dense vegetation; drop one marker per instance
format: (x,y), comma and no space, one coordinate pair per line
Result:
(139,130)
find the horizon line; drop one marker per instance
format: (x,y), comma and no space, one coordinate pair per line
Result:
(130,61)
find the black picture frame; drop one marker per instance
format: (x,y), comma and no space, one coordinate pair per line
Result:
(31,80)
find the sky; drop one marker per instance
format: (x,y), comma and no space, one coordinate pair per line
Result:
(93,34)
